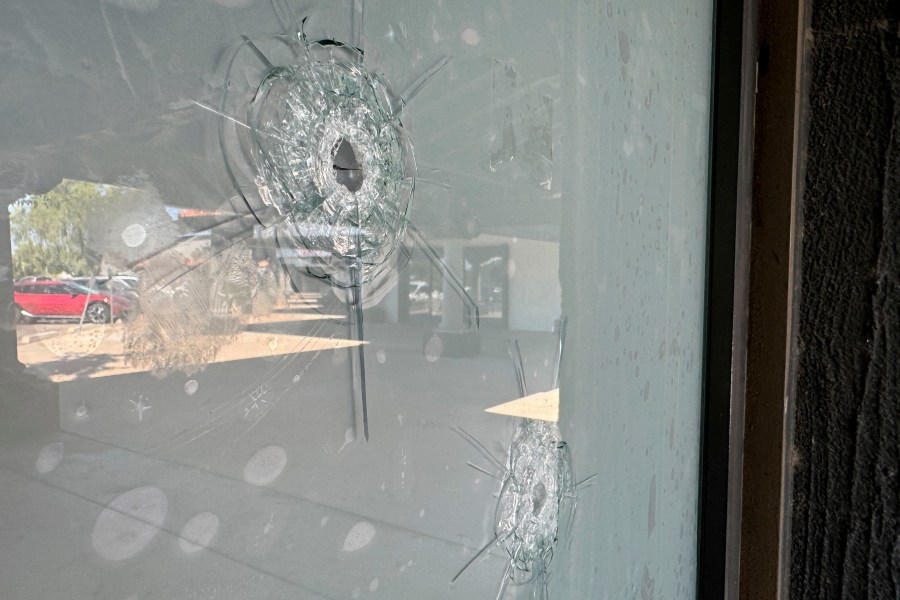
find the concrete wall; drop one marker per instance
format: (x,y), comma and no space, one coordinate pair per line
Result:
(845,511)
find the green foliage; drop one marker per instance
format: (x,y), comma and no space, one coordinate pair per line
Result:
(49,231)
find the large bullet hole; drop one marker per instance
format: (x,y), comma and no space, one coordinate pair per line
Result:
(347,170)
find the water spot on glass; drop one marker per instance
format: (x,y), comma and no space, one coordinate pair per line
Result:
(645,21)
(373,585)
(49,457)
(349,438)
(190,388)
(129,523)
(265,466)
(421,513)
(296,378)
(81,413)
(623,46)
(134,235)
(381,356)
(506,152)
(647,585)
(257,402)
(397,33)
(400,419)
(403,476)
(511,268)
(434,347)
(470,36)
(198,532)
(324,521)
(359,536)
(139,406)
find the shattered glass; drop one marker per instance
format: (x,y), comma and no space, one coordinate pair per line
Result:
(300,118)
(536,491)
(328,153)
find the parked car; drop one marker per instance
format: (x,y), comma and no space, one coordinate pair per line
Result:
(106,285)
(66,300)
(130,280)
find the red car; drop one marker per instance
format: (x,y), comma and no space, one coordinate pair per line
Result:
(66,300)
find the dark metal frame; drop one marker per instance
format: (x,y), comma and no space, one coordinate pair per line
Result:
(725,335)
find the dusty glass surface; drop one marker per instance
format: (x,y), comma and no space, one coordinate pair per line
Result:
(351,299)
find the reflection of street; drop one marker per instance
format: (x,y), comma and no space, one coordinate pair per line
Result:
(66,351)
(203,444)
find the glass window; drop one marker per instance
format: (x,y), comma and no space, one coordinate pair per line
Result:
(407,280)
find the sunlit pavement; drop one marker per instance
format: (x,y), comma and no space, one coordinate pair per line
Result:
(66,351)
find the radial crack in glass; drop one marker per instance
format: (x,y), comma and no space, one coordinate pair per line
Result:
(300,118)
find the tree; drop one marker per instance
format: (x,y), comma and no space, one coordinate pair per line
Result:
(49,231)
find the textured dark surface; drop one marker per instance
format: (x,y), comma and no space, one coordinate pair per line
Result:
(845,499)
